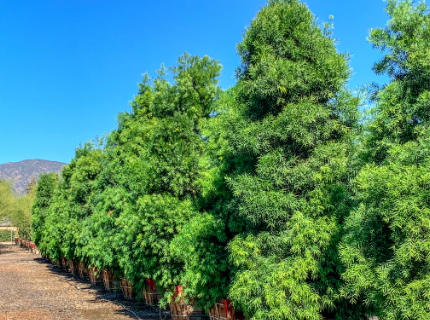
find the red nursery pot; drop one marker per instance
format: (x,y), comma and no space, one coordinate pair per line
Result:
(177,293)
(151,285)
(228,308)
(179,289)
(33,247)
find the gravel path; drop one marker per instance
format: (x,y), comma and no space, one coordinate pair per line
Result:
(33,289)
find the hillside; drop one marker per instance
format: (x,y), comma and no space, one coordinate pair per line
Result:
(20,173)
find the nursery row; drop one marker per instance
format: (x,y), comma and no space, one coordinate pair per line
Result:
(276,194)
(179,310)
(150,295)
(27,244)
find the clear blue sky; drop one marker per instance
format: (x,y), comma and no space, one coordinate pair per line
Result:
(67,67)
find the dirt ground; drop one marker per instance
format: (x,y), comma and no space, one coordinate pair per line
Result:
(33,289)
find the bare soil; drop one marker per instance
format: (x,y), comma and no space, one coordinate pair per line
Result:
(33,289)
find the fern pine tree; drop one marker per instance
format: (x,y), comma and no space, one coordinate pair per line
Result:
(387,247)
(291,143)
(41,213)
(77,189)
(61,206)
(201,244)
(153,158)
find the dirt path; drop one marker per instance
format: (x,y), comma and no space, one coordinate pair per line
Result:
(32,289)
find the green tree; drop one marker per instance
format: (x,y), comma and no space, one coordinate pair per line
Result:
(387,247)
(292,160)
(22,216)
(74,201)
(6,199)
(152,160)
(41,213)
(62,205)
(17,210)
(201,245)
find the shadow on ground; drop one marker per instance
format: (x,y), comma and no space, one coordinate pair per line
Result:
(101,295)
(31,288)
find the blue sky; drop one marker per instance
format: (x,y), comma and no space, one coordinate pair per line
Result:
(68,67)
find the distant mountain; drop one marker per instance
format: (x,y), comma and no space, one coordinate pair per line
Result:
(20,173)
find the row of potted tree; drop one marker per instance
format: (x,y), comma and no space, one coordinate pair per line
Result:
(150,293)
(274,193)
(27,244)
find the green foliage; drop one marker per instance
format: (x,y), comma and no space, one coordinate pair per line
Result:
(286,58)
(96,239)
(268,193)
(201,244)
(6,199)
(386,248)
(17,210)
(201,247)
(118,207)
(403,103)
(22,216)
(42,215)
(295,132)
(5,236)
(153,157)
(144,235)
(60,206)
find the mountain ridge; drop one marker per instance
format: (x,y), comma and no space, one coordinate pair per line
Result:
(20,173)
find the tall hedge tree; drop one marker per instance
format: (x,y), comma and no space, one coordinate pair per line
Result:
(201,245)
(387,247)
(74,202)
(61,206)
(41,212)
(294,133)
(153,160)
